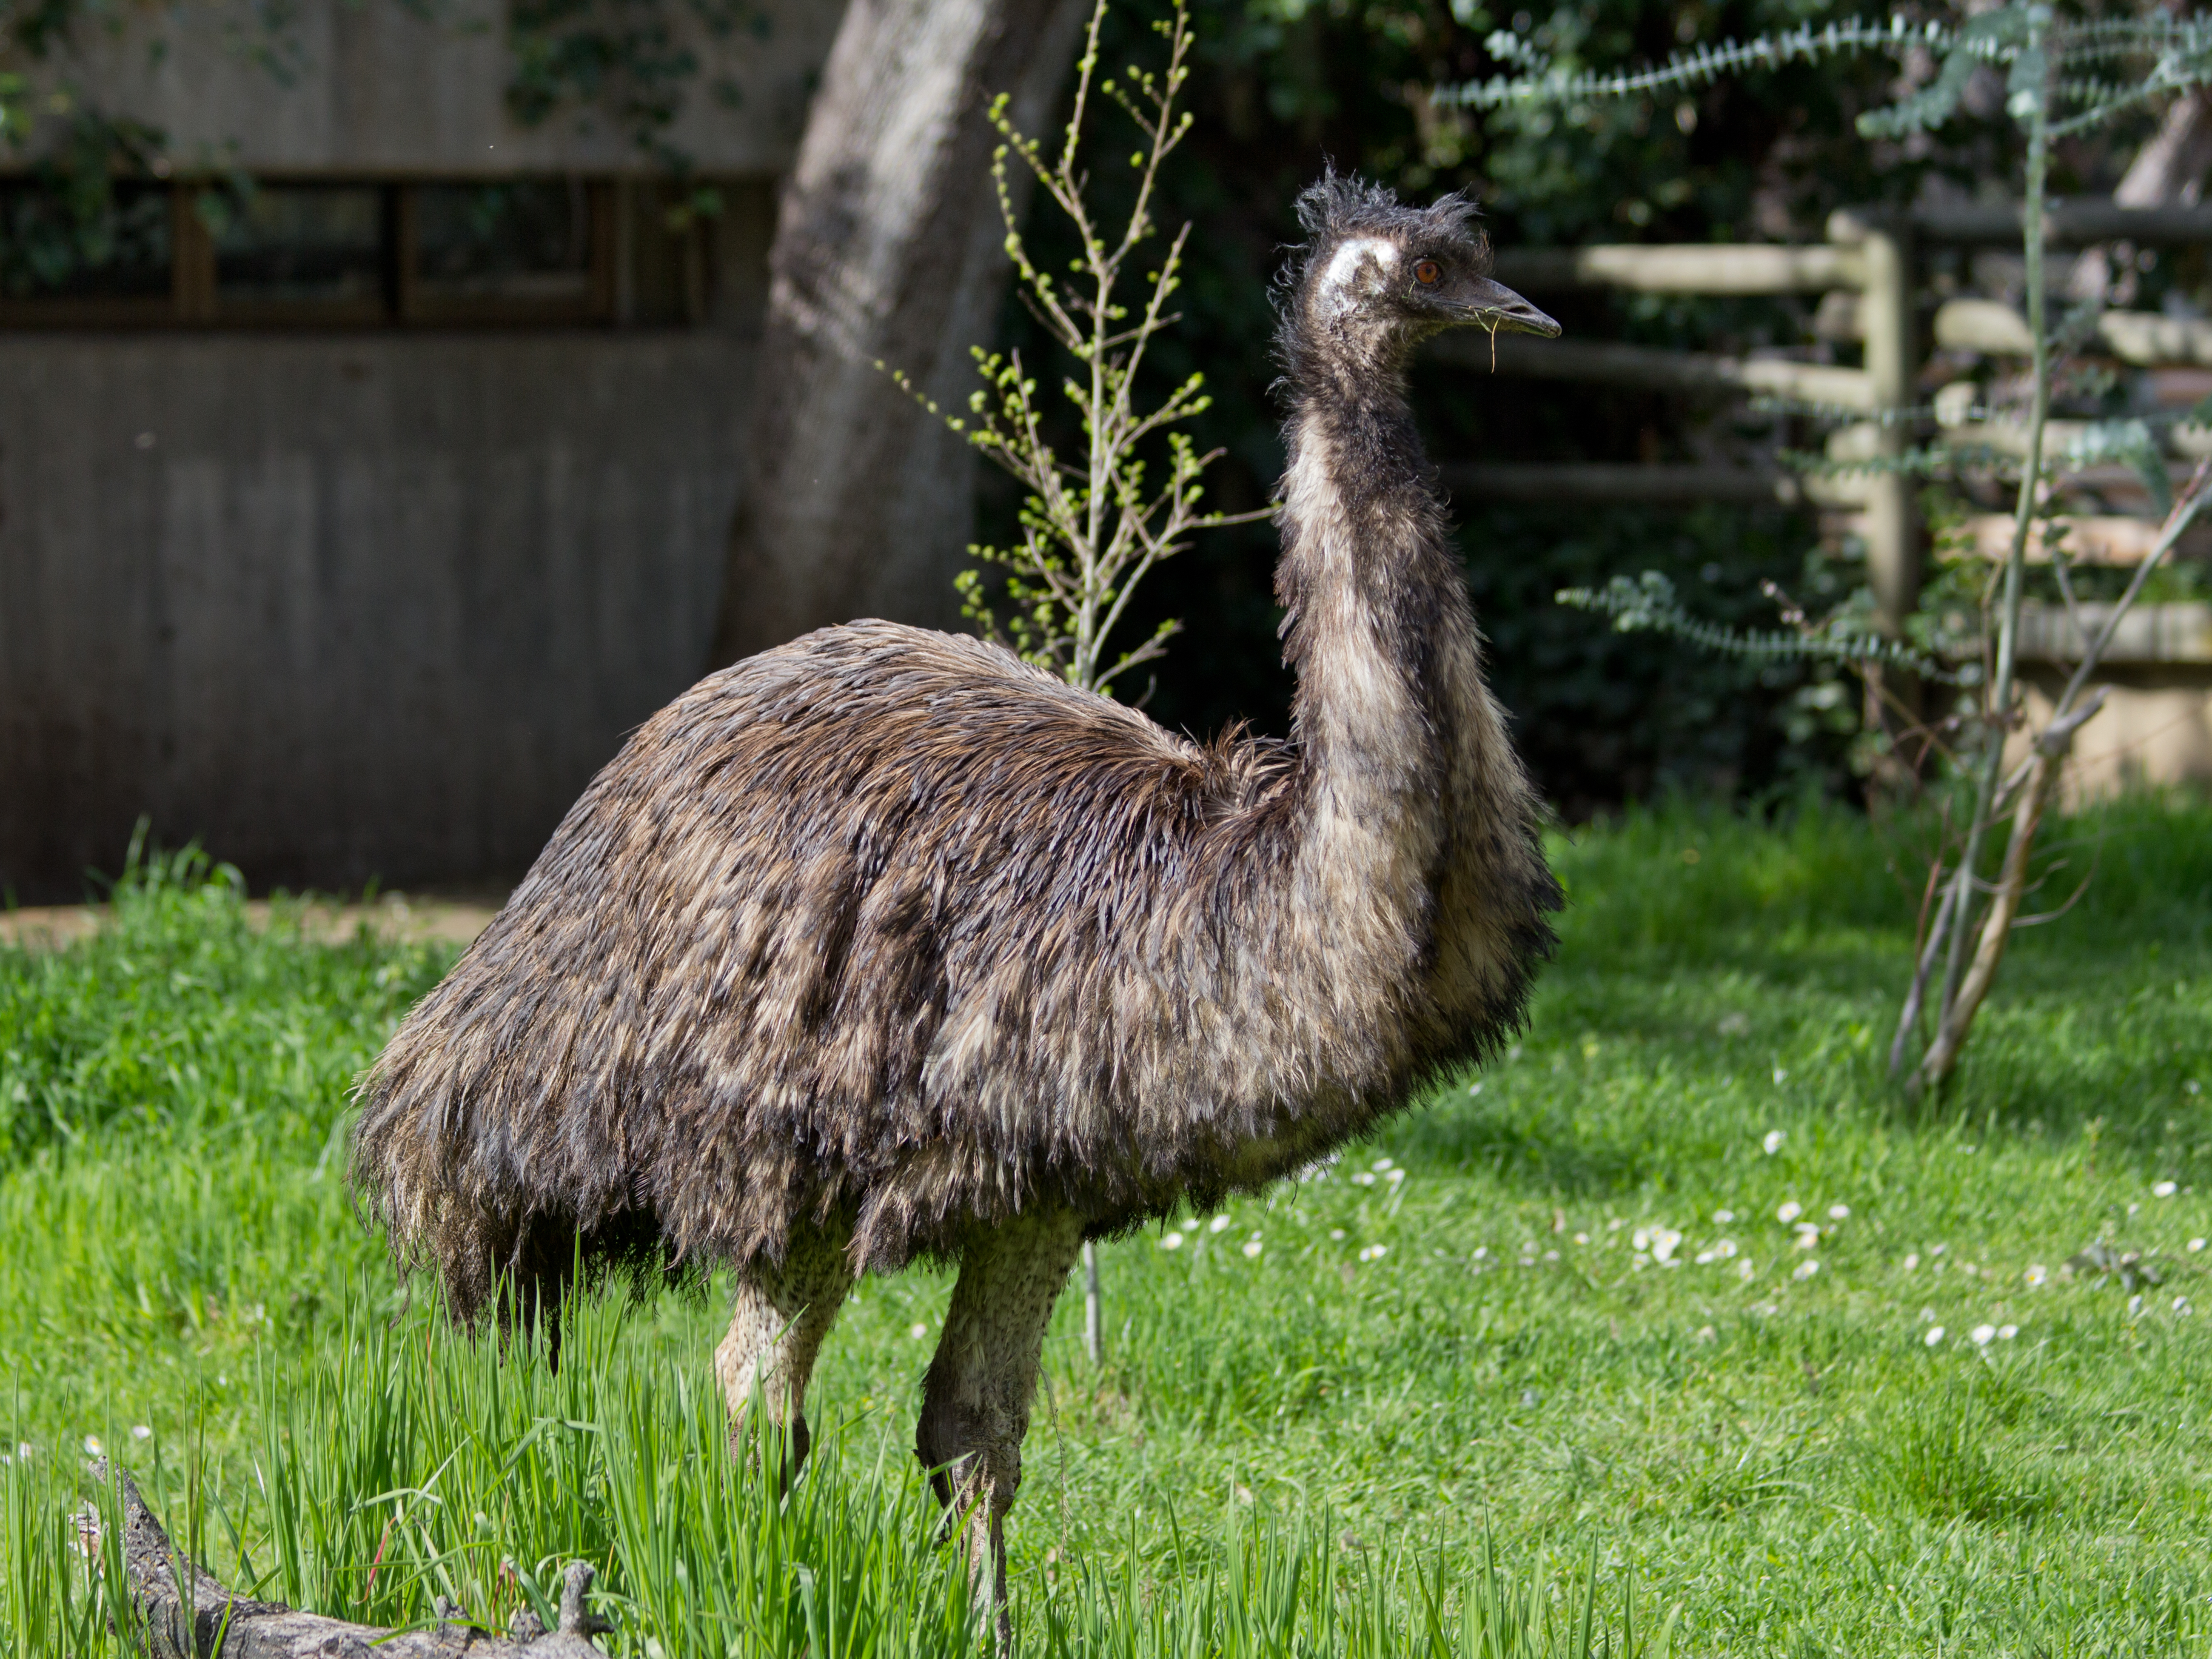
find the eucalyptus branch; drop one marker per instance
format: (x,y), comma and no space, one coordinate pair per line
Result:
(1706,64)
(1650,602)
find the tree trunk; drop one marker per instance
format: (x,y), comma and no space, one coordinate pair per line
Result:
(187,1614)
(887,248)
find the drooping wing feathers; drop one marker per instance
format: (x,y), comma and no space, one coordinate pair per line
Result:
(884,923)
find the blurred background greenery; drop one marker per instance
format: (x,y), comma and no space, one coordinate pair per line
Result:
(1286,87)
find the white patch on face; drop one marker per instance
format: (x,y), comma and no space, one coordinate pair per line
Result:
(1343,267)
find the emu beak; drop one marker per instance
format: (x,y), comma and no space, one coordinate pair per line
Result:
(1497,308)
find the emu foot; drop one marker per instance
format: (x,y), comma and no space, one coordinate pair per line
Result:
(976,1489)
(976,1516)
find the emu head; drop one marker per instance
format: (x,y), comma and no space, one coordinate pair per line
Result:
(1377,277)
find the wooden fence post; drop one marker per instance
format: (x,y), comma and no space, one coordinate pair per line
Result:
(1893,363)
(1894,536)
(1094,1315)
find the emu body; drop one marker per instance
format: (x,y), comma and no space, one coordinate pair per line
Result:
(885,945)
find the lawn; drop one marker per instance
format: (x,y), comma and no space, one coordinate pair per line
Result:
(1679,1294)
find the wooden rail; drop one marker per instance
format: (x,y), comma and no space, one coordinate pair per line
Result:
(2067,224)
(2099,538)
(1656,369)
(2009,437)
(2143,338)
(1685,268)
(2148,634)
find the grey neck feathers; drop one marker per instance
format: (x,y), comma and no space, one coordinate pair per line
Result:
(1370,584)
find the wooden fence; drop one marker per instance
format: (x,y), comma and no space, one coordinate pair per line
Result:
(1868,270)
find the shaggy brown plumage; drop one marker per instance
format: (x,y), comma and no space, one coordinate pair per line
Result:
(884,944)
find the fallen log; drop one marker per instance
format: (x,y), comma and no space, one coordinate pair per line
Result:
(185,1613)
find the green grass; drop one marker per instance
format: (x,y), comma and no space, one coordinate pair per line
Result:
(1461,1389)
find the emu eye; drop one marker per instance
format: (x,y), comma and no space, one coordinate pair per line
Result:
(1428,273)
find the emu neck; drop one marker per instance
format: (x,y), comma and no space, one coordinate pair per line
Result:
(1373,596)
(1381,638)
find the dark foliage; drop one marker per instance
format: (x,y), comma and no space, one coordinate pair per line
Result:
(1285,89)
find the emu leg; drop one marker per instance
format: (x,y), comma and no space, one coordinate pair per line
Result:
(776,1330)
(975,1400)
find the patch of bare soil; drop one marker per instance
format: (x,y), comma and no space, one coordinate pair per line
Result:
(399,917)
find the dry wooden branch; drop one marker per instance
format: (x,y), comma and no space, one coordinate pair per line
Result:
(198,1618)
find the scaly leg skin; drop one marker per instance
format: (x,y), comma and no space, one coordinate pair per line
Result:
(776,1330)
(975,1400)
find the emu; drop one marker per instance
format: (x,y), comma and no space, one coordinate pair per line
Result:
(885,945)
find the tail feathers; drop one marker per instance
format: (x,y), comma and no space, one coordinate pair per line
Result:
(518,1264)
